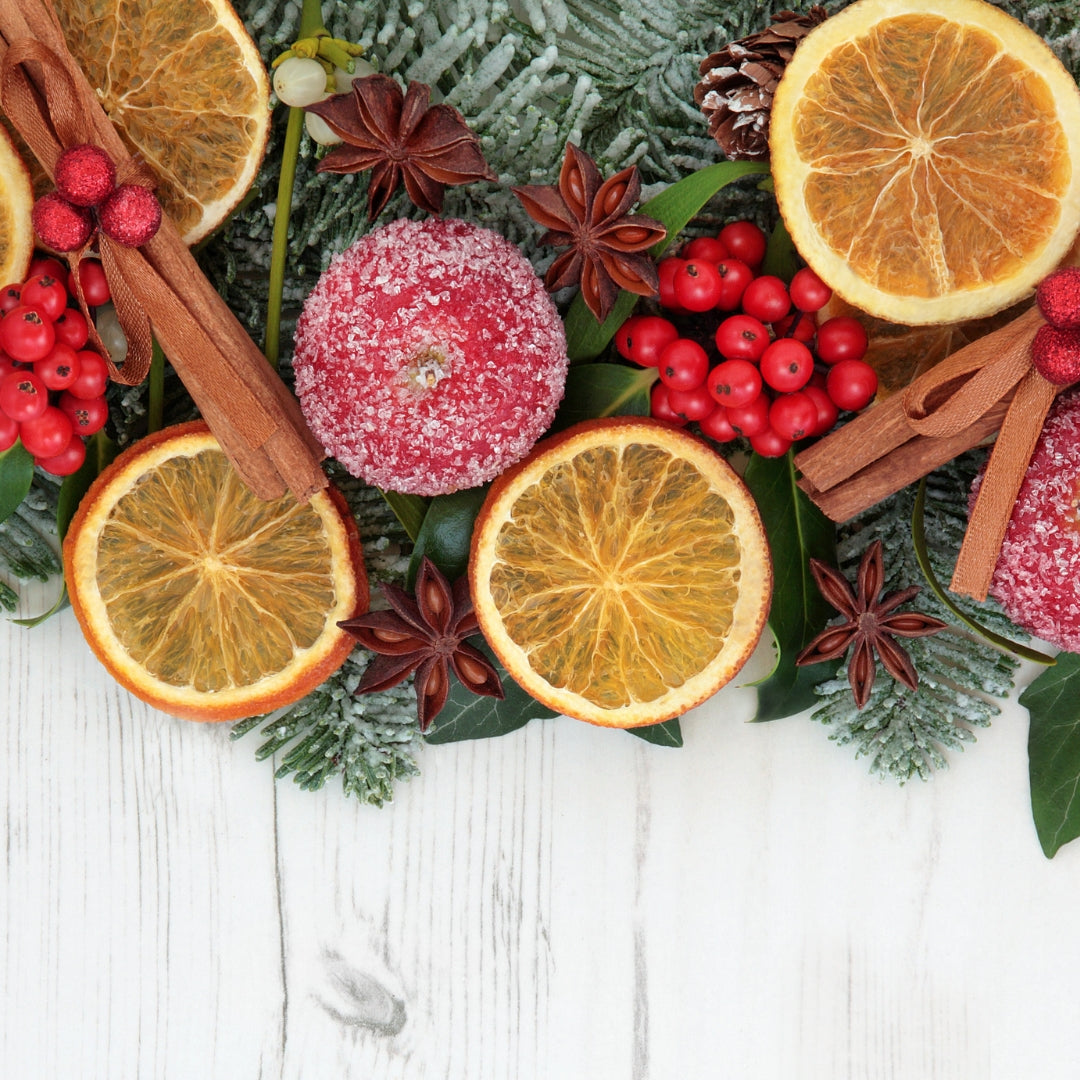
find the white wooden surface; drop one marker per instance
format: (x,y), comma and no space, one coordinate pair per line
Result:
(561,903)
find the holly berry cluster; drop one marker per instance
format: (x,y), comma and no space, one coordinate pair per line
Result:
(52,388)
(87,197)
(766,370)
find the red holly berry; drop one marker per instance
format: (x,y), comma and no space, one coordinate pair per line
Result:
(1058,297)
(67,461)
(851,384)
(60,224)
(84,175)
(131,215)
(1055,354)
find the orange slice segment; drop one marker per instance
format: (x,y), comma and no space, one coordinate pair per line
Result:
(925,156)
(188,91)
(201,599)
(621,572)
(16,206)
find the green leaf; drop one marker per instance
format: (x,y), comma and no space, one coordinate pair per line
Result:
(100,452)
(594,390)
(797,530)
(922,556)
(16,476)
(667,734)
(1053,702)
(468,716)
(446,533)
(781,258)
(37,620)
(409,510)
(674,208)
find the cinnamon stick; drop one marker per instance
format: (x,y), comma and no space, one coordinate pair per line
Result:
(254,416)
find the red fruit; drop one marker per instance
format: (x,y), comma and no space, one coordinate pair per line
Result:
(742,337)
(767,299)
(800,325)
(87,415)
(787,365)
(683,364)
(745,241)
(1058,297)
(47,264)
(26,335)
(851,384)
(769,443)
(841,338)
(624,336)
(10,297)
(93,375)
(95,286)
(752,419)
(46,435)
(69,460)
(793,416)
(693,404)
(84,175)
(808,291)
(7,365)
(827,412)
(47,294)
(717,425)
(59,224)
(697,285)
(131,215)
(71,328)
(660,408)
(735,276)
(734,383)
(1055,353)
(706,248)
(666,270)
(60,368)
(9,432)
(23,396)
(647,339)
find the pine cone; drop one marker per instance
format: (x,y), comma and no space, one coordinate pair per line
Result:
(738,83)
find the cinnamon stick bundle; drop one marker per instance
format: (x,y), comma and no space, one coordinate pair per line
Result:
(258,422)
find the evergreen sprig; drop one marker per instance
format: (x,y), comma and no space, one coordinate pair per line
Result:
(906,734)
(28,538)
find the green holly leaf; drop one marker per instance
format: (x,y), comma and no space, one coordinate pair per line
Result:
(594,390)
(100,452)
(674,208)
(16,476)
(446,534)
(1053,703)
(469,716)
(797,530)
(667,734)
(410,510)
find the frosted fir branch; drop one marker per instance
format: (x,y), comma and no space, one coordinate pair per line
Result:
(28,538)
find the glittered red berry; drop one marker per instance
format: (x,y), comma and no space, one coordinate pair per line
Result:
(84,175)
(130,215)
(1058,297)
(59,224)
(1055,354)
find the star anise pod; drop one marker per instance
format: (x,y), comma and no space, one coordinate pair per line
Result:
(399,136)
(738,83)
(425,633)
(592,217)
(871,624)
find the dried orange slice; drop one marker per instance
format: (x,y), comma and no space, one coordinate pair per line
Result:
(621,572)
(201,599)
(926,157)
(16,206)
(186,88)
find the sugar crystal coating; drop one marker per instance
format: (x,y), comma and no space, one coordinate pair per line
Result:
(428,357)
(1037,578)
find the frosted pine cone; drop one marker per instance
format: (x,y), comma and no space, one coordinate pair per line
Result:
(738,83)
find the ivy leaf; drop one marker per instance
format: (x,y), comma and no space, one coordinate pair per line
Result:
(16,476)
(408,509)
(667,734)
(797,530)
(468,716)
(446,534)
(674,208)
(1053,703)
(594,390)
